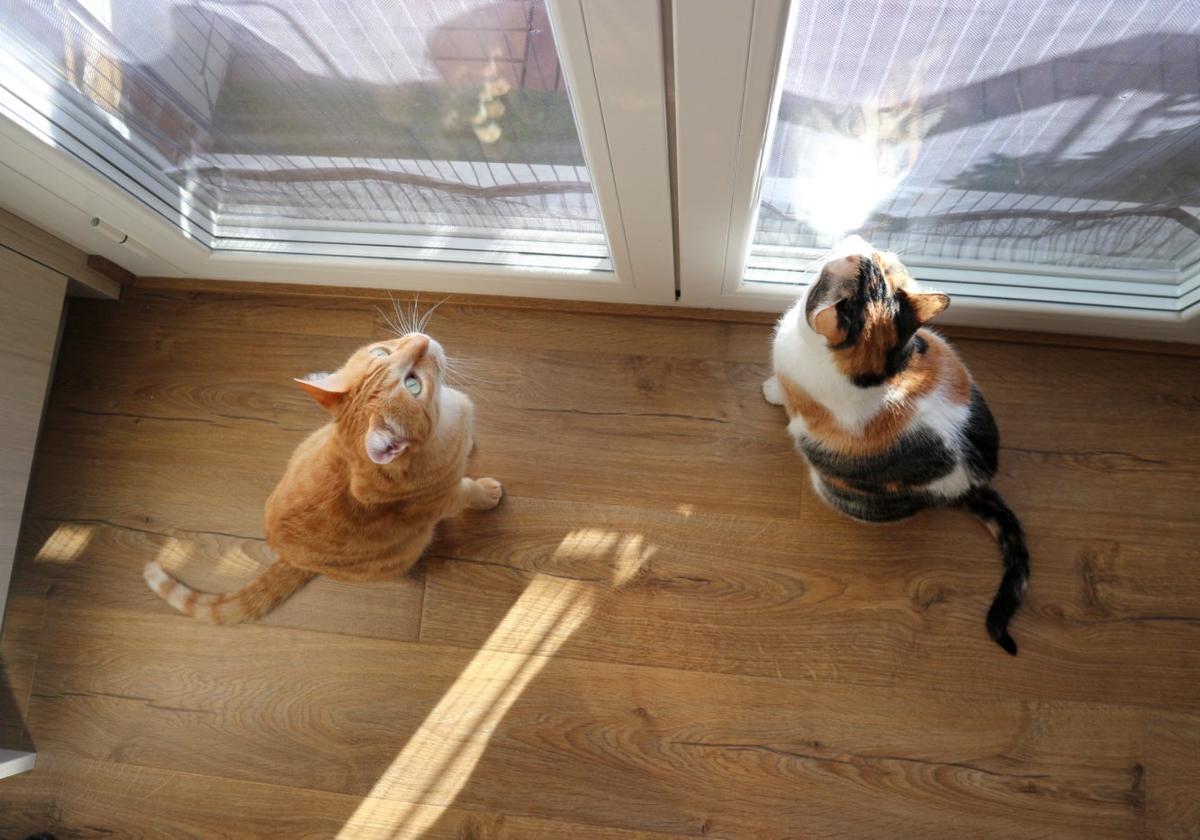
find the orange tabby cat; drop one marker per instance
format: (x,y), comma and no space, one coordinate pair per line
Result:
(361,496)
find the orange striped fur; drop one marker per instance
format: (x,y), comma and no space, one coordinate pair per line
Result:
(360,497)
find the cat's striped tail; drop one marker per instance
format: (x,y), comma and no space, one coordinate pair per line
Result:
(987,504)
(254,600)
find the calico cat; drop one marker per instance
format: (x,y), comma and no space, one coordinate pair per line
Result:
(887,416)
(360,497)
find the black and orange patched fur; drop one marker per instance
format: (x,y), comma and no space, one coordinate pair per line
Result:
(885,412)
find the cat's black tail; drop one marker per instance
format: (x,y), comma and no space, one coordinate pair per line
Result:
(987,504)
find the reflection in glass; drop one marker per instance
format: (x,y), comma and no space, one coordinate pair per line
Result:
(1052,133)
(230,116)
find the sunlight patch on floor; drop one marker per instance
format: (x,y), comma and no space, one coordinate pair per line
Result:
(237,563)
(65,544)
(630,559)
(440,757)
(174,553)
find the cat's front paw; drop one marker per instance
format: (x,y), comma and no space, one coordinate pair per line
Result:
(772,391)
(490,493)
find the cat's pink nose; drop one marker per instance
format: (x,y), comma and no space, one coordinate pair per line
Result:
(420,345)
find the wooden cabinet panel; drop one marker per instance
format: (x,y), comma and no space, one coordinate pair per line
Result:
(31,301)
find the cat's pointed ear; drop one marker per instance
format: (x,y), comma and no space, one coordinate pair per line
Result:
(825,322)
(928,305)
(383,443)
(326,388)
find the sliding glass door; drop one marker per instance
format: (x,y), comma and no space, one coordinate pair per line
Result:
(1020,154)
(466,135)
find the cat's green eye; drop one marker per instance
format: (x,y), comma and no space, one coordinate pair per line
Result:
(380,352)
(413,385)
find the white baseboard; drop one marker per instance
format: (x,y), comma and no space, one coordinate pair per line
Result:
(13,762)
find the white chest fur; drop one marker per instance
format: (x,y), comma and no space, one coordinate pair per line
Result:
(799,354)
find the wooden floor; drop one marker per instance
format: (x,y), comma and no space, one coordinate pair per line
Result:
(660,633)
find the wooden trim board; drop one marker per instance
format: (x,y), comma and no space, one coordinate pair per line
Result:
(737,316)
(30,241)
(32,298)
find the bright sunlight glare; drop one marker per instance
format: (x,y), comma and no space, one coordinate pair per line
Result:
(441,755)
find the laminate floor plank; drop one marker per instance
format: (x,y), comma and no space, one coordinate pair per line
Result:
(662,631)
(626,747)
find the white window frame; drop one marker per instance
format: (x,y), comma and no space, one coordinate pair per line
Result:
(729,59)
(611,52)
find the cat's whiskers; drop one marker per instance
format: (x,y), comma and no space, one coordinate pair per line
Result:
(460,373)
(391,325)
(455,371)
(398,322)
(429,314)
(408,319)
(815,261)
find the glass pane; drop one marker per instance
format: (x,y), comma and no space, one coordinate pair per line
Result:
(313,126)
(1051,133)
